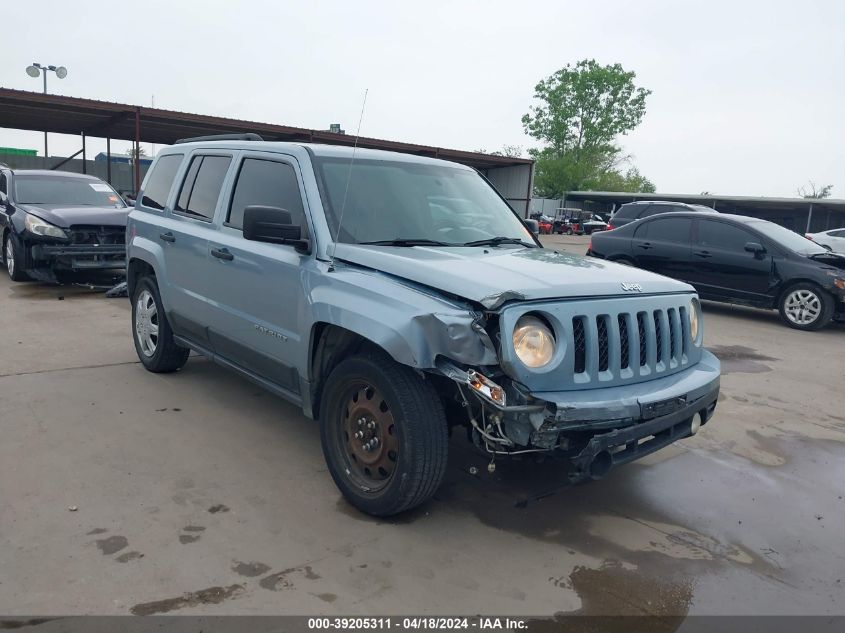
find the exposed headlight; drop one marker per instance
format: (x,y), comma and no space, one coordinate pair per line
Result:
(533,342)
(693,320)
(39,227)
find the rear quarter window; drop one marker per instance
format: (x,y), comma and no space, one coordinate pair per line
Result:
(628,211)
(160,181)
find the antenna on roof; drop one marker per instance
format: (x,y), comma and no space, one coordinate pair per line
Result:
(348,178)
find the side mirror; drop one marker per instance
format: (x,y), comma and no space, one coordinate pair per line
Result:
(533,226)
(755,247)
(827,247)
(273,225)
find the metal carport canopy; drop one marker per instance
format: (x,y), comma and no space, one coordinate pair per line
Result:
(24,110)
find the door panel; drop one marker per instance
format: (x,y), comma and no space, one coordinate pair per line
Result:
(184,235)
(662,245)
(722,267)
(257,293)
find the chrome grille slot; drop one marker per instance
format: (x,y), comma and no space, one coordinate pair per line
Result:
(684,332)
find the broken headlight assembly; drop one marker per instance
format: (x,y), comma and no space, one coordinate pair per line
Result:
(37,226)
(533,342)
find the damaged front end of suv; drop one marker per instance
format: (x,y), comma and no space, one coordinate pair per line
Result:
(597,382)
(596,379)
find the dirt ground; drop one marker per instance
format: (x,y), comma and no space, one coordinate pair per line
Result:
(126,492)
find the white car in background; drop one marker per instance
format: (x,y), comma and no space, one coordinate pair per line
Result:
(834,239)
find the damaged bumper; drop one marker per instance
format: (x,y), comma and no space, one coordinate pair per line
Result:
(79,257)
(596,429)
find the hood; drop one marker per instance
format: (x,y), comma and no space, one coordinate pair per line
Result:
(66,216)
(829,259)
(493,275)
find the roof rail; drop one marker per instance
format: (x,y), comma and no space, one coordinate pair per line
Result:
(246,136)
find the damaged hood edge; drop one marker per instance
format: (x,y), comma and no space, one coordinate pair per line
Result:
(492,277)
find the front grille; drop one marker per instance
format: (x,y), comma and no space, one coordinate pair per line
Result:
(607,343)
(83,234)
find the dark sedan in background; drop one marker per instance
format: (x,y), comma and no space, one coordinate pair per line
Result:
(53,221)
(735,259)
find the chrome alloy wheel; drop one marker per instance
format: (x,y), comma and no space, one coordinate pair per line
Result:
(146,323)
(802,307)
(10,256)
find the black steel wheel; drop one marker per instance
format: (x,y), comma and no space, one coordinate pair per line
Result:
(384,434)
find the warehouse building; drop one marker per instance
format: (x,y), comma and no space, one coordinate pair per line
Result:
(802,215)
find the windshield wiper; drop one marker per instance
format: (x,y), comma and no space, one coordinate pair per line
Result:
(406,242)
(495,241)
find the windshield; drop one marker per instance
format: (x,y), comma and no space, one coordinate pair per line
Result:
(65,191)
(397,200)
(788,239)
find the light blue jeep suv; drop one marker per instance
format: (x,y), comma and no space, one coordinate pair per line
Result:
(394,297)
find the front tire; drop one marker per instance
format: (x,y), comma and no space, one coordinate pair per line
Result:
(384,434)
(805,306)
(13,258)
(151,331)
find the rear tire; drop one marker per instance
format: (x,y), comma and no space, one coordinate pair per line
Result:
(399,459)
(13,258)
(624,261)
(805,306)
(151,330)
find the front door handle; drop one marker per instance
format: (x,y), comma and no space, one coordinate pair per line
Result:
(222,253)
(645,245)
(704,254)
(168,237)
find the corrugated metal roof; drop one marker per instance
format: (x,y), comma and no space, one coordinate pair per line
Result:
(25,110)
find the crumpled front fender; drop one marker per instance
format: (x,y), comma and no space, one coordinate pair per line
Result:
(412,325)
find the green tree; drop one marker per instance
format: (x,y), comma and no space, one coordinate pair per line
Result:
(581,111)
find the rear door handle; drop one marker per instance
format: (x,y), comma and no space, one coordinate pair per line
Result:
(168,237)
(222,253)
(645,245)
(704,254)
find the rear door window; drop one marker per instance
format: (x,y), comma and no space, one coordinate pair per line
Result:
(656,209)
(724,236)
(628,211)
(675,230)
(267,183)
(202,185)
(160,181)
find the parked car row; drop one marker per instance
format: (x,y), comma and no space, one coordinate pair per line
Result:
(735,259)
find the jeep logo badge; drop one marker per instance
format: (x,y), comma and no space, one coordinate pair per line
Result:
(631,287)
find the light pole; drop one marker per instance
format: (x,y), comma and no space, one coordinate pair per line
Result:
(36,69)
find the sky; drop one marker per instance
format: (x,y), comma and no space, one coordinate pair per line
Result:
(747,97)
